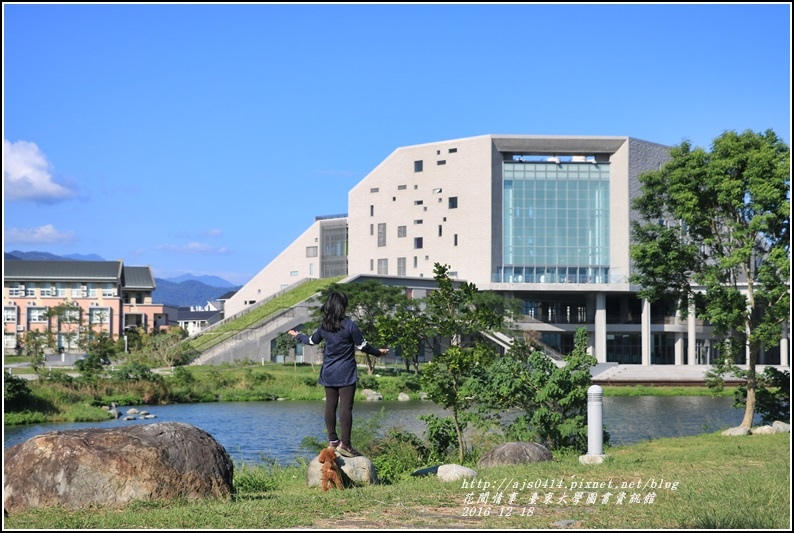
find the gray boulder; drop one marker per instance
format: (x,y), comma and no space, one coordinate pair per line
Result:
(515,453)
(355,471)
(112,467)
(781,427)
(453,472)
(403,397)
(764,430)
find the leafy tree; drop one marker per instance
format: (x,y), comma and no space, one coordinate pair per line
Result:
(101,351)
(454,319)
(166,347)
(33,347)
(285,344)
(553,399)
(725,243)
(67,315)
(405,330)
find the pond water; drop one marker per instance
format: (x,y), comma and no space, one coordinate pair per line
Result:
(253,431)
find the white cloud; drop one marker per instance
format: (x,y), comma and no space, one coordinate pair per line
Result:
(46,234)
(213,232)
(193,248)
(27,174)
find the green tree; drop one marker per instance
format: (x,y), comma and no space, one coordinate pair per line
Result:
(285,343)
(166,347)
(553,398)
(724,243)
(454,319)
(101,351)
(33,346)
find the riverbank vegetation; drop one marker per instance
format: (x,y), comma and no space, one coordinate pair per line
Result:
(57,396)
(702,482)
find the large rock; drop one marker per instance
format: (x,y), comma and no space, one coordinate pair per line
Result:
(355,471)
(515,453)
(114,466)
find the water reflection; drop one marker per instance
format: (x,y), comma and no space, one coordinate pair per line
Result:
(251,431)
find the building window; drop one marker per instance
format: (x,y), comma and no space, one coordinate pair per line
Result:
(77,293)
(374,189)
(418,221)
(30,290)
(372,229)
(417,166)
(372,210)
(401,266)
(45,291)
(311,251)
(441,162)
(453,150)
(381,234)
(440,232)
(456,239)
(416,261)
(9,314)
(37,314)
(383,267)
(14,292)
(453,202)
(436,191)
(294,273)
(419,202)
(70,316)
(402,187)
(98,316)
(402,231)
(108,291)
(371,265)
(418,242)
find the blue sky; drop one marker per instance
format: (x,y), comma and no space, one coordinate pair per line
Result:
(205,138)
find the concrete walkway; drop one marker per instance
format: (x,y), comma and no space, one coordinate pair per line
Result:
(615,374)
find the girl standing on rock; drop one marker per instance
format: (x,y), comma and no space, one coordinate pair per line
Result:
(339,372)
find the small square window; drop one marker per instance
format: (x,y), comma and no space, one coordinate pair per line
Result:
(418,243)
(453,202)
(453,150)
(441,162)
(418,166)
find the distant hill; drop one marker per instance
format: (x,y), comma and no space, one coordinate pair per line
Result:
(186,293)
(36,256)
(212,281)
(81,257)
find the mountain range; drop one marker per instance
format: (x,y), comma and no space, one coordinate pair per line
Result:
(186,290)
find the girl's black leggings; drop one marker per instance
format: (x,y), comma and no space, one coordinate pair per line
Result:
(343,397)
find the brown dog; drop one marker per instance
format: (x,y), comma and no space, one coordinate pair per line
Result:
(330,470)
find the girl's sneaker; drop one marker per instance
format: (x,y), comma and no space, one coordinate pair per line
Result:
(334,444)
(347,451)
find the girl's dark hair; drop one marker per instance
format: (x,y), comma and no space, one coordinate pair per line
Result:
(334,311)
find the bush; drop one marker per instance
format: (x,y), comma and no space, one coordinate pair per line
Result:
(397,455)
(16,392)
(367,382)
(441,436)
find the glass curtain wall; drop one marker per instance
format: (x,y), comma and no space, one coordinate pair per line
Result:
(555,222)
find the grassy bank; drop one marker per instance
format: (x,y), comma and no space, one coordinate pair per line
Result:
(702,482)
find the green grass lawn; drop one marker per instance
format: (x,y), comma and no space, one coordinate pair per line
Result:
(701,482)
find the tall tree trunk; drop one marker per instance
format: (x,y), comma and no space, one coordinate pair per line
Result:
(749,406)
(458,432)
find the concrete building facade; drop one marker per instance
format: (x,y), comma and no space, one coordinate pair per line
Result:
(545,219)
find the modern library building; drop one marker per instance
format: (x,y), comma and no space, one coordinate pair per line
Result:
(544,219)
